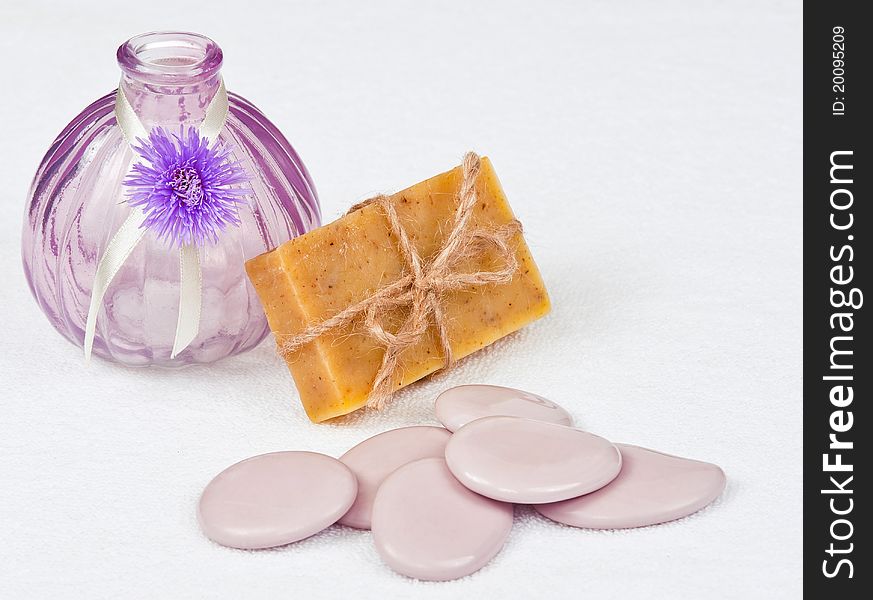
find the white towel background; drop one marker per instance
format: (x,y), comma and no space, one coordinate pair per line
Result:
(653,153)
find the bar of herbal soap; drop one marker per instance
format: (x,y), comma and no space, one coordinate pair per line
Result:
(316,275)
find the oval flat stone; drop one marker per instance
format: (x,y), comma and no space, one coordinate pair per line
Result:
(275,499)
(459,405)
(530,462)
(428,526)
(377,457)
(652,488)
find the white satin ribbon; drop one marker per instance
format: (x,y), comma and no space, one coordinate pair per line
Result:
(131,233)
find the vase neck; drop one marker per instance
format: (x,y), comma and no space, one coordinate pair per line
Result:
(170,77)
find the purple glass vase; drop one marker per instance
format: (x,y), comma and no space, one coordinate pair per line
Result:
(77,203)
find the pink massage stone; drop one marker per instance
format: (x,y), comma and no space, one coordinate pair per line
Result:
(459,405)
(652,488)
(530,462)
(377,457)
(428,526)
(275,499)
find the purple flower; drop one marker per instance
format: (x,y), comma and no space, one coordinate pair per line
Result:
(185,187)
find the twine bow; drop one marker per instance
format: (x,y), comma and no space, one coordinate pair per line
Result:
(423,286)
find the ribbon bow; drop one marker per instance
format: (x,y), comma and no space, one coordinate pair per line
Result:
(132,231)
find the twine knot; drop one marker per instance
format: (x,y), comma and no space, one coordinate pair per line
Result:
(422,287)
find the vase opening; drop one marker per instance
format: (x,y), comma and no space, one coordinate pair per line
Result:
(169,58)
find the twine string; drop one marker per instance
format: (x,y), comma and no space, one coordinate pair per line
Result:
(423,286)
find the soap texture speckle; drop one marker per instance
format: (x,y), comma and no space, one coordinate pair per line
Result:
(315,276)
